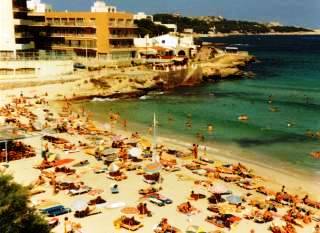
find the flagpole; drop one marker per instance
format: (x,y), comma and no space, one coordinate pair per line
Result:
(154,138)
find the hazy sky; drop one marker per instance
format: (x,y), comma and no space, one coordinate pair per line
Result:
(289,12)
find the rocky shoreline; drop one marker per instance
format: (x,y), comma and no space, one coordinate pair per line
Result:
(134,82)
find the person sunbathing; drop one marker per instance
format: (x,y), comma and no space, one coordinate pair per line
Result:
(96,201)
(215,198)
(288,228)
(130,221)
(165,227)
(307,218)
(275,229)
(267,216)
(306,200)
(115,173)
(186,208)
(196,196)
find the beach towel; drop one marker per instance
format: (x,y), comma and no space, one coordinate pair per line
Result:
(62,162)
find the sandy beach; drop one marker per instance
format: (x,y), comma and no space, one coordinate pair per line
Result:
(175,185)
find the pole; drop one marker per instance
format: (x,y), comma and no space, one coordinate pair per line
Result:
(154,153)
(6,148)
(87,54)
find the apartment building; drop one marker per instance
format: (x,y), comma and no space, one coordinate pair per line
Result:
(15,32)
(92,34)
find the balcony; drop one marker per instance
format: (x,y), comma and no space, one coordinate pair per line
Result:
(71,24)
(121,48)
(22,22)
(122,25)
(67,47)
(25,46)
(73,35)
(121,37)
(23,35)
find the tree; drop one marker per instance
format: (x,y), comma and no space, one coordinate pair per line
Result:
(16,214)
(146,26)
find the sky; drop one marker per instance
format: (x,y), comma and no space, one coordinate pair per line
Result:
(288,12)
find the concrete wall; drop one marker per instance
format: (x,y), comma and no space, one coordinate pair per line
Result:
(42,68)
(7,36)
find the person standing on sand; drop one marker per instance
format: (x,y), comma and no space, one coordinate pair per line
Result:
(195,151)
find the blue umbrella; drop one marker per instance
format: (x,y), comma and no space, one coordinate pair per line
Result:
(233,199)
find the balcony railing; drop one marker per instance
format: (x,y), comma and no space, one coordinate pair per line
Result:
(122,25)
(73,35)
(72,24)
(123,47)
(66,46)
(117,36)
(23,35)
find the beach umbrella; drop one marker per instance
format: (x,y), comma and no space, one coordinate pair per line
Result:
(113,167)
(194,229)
(79,205)
(152,168)
(135,152)
(233,199)
(115,204)
(218,189)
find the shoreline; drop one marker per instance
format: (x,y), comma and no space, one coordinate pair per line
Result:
(314,33)
(221,153)
(104,222)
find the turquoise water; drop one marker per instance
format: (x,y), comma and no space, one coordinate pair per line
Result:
(288,73)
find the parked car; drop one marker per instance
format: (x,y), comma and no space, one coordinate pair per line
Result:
(79,65)
(156,201)
(55,210)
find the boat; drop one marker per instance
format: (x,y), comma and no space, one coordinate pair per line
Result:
(243,118)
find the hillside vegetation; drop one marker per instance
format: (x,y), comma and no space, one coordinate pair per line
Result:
(205,24)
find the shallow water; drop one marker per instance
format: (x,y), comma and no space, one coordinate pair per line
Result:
(288,74)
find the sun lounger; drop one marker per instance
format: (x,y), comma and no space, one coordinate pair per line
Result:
(80,191)
(132,227)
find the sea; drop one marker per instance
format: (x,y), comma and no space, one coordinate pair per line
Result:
(282,102)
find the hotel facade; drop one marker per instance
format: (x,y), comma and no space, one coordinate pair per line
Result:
(103,33)
(15,24)
(93,34)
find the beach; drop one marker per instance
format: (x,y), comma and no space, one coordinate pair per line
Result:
(176,185)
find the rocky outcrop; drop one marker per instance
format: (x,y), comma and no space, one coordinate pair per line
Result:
(226,65)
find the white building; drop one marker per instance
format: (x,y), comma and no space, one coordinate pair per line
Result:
(171,26)
(14,23)
(101,6)
(183,45)
(38,7)
(142,15)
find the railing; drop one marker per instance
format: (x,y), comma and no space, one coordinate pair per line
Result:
(115,36)
(73,35)
(30,56)
(23,35)
(130,25)
(64,46)
(75,24)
